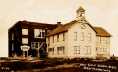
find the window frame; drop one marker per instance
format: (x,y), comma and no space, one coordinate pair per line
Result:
(48,41)
(63,36)
(82,38)
(25,39)
(60,49)
(33,45)
(57,37)
(89,36)
(53,40)
(75,36)
(77,50)
(51,50)
(25,31)
(12,36)
(38,32)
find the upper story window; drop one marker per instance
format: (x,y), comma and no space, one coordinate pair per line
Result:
(24,31)
(24,40)
(57,37)
(89,36)
(107,40)
(103,40)
(82,36)
(63,36)
(12,35)
(75,36)
(48,41)
(39,33)
(53,38)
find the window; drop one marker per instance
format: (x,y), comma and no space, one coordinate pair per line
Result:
(82,36)
(100,39)
(76,49)
(89,37)
(39,33)
(12,35)
(60,50)
(57,37)
(51,50)
(48,41)
(43,33)
(63,36)
(88,49)
(104,49)
(24,40)
(24,31)
(12,48)
(75,36)
(103,40)
(35,45)
(107,40)
(53,39)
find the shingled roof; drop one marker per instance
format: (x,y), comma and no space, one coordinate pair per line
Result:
(102,32)
(61,28)
(64,28)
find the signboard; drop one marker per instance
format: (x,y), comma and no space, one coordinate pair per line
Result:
(94,66)
(25,48)
(97,67)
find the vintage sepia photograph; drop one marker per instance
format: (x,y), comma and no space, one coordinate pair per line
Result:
(58,36)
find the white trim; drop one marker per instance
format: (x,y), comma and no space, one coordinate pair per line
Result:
(24,40)
(24,31)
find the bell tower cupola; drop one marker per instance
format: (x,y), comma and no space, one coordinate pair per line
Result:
(80,12)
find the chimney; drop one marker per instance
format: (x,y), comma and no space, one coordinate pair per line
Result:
(58,22)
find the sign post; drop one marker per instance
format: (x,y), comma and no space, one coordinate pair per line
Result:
(25,48)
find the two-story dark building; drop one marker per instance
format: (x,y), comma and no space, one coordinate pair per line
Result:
(30,34)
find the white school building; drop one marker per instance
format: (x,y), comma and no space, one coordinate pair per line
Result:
(78,39)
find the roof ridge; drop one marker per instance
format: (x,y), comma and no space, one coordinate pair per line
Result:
(37,22)
(102,32)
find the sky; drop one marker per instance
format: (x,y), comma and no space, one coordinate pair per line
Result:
(102,13)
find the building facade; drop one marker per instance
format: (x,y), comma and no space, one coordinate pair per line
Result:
(75,39)
(78,39)
(31,34)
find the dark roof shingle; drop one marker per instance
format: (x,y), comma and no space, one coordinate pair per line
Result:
(102,32)
(63,28)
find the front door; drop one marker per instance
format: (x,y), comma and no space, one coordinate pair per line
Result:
(36,46)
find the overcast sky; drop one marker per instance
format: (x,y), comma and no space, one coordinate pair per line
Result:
(102,13)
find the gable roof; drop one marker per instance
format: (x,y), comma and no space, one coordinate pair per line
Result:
(64,28)
(102,32)
(37,24)
(29,24)
(61,28)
